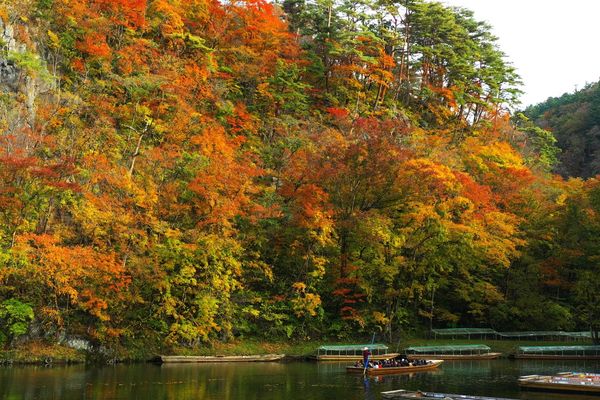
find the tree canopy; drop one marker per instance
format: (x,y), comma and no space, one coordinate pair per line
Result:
(175,173)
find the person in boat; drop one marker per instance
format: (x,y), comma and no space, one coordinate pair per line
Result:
(366,354)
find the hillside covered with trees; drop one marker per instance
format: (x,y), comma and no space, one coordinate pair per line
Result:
(574,119)
(175,173)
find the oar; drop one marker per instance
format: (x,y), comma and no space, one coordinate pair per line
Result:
(366,361)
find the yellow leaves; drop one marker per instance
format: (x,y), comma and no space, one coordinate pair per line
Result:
(251,312)
(54,40)
(425,178)
(318,266)
(299,287)
(304,303)
(481,156)
(164,15)
(264,90)
(561,199)
(499,238)
(380,318)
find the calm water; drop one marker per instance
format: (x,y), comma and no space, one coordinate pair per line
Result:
(268,381)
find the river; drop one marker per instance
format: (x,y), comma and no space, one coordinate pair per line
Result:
(271,381)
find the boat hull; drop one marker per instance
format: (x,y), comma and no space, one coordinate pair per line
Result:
(221,359)
(486,356)
(562,383)
(394,370)
(406,394)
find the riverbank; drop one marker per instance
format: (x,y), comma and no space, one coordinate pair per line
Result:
(307,348)
(39,353)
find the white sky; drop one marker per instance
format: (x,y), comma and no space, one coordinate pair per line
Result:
(553,44)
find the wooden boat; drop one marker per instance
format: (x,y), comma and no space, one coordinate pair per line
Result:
(352,352)
(220,359)
(431,364)
(571,382)
(558,353)
(407,394)
(452,352)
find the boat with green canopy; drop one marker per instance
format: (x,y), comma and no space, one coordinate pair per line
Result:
(452,352)
(559,352)
(353,352)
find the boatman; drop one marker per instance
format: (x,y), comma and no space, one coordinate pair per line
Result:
(366,354)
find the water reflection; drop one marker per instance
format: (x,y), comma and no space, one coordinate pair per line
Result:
(274,381)
(551,396)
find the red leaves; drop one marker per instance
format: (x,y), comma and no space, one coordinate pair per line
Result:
(94,44)
(82,276)
(225,185)
(252,37)
(129,13)
(242,122)
(338,113)
(480,195)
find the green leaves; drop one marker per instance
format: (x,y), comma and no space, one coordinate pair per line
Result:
(15,317)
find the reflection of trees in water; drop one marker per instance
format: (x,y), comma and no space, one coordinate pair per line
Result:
(553,396)
(410,380)
(274,381)
(549,367)
(469,367)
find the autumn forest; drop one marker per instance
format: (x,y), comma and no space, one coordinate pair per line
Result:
(174,173)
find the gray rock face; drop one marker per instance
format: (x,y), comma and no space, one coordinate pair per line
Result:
(9,74)
(79,344)
(7,35)
(14,80)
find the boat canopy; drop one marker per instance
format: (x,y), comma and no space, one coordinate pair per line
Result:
(353,347)
(376,349)
(468,332)
(464,331)
(558,334)
(560,349)
(473,348)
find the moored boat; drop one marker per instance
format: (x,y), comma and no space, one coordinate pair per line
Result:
(353,352)
(431,364)
(220,359)
(451,352)
(558,352)
(408,394)
(571,382)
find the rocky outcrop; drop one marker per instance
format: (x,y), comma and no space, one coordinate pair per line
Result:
(10,74)
(20,85)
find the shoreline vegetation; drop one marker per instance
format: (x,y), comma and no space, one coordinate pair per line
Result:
(43,354)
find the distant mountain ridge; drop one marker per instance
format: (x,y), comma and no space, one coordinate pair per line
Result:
(574,119)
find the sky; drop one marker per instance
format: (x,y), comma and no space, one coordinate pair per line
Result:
(553,44)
